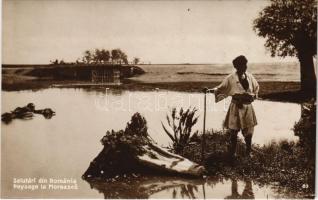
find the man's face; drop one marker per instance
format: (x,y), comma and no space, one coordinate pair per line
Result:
(241,69)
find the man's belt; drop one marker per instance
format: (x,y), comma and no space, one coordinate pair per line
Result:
(241,99)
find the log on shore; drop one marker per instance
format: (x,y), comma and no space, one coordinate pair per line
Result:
(132,150)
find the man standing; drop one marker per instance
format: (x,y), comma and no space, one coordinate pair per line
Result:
(243,88)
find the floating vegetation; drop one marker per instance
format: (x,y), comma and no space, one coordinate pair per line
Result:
(26,112)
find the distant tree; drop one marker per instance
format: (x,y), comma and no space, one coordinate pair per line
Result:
(118,56)
(115,54)
(55,62)
(97,56)
(290,29)
(105,55)
(88,57)
(136,60)
(123,57)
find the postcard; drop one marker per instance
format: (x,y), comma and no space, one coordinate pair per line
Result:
(158,99)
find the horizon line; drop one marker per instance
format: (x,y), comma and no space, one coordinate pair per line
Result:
(163,63)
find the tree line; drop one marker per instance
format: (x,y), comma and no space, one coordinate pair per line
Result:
(102,56)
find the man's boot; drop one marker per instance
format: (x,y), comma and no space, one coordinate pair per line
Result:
(248,142)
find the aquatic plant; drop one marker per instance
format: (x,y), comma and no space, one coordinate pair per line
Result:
(181,123)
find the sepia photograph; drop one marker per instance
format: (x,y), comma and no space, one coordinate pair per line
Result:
(158,99)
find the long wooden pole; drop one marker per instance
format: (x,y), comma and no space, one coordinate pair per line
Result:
(203,134)
(203,190)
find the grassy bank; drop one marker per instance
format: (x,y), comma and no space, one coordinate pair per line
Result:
(289,166)
(285,164)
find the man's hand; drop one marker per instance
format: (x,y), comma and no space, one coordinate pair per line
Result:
(206,90)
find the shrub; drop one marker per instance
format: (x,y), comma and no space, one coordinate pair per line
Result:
(305,128)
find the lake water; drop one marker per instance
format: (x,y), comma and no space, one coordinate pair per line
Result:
(62,147)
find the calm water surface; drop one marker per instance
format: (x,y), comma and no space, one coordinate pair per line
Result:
(62,147)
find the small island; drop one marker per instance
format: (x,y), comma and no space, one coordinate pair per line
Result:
(95,68)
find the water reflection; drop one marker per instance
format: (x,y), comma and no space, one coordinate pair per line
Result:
(247,192)
(180,188)
(146,187)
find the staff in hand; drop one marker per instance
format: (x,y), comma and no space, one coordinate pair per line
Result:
(207,90)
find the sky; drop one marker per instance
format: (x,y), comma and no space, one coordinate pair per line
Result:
(170,31)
